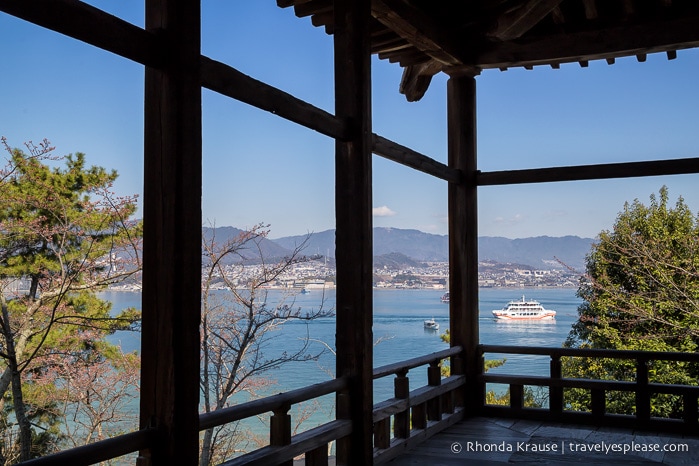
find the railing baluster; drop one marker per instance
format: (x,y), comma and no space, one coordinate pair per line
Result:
(642,392)
(481,386)
(434,379)
(457,368)
(599,402)
(401,422)
(317,457)
(280,429)
(690,410)
(516,397)
(556,393)
(382,433)
(448,403)
(342,446)
(419,416)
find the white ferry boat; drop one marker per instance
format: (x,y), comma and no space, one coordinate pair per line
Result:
(524,310)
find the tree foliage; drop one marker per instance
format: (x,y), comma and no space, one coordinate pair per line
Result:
(640,292)
(63,236)
(533,398)
(238,321)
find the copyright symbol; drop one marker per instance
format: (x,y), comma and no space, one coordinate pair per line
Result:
(456,447)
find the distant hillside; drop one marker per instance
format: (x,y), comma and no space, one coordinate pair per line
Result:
(395,260)
(537,252)
(322,242)
(413,243)
(268,248)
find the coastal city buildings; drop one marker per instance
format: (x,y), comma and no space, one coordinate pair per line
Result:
(319,273)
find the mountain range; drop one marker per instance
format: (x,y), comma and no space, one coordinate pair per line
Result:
(409,247)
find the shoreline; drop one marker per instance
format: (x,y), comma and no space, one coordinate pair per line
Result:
(137,289)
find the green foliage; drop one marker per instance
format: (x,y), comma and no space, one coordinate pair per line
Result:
(532,398)
(488,363)
(64,233)
(641,293)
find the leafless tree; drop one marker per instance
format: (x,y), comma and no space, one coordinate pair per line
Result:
(237,324)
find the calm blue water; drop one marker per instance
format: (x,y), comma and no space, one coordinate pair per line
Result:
(398,324)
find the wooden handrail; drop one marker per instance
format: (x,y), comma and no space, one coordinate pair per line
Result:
(616,385)
(98,451)
(420,395)
(591,353)
(410,417)
(270,403)
(300,443)
(408,364)
(641,387)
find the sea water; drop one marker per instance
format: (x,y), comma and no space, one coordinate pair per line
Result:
(398,333)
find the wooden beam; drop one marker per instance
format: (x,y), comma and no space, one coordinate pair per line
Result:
(419,29)
(410,158)
(416,79)
(557,16)
(590,172)
(463,232)
(353,234)
(230,82)
(513,24)
(313,7)
(621,41)
(90,25)
(590,9)
(172,237)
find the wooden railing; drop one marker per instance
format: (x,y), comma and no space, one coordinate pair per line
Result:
(420,413)
(412,416)
(558,409)
(99,451)
(283,447)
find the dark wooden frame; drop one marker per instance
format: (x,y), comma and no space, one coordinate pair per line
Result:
(598,415)
(169,47)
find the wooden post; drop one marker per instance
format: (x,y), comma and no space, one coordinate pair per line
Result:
(556,393)
(401,389)
(457,368)
(516,397)
(419,418)
(598,403)
(382,433)
(690,411)
(172,235)
(353,236)
(317,457)
(434,379)
(463,230)
(280,430)
(642,391)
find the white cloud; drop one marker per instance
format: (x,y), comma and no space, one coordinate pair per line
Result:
(515,220)
(382,211)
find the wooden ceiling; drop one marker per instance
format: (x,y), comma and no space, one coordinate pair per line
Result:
(428,36)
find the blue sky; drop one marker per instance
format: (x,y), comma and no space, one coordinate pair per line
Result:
(260,168)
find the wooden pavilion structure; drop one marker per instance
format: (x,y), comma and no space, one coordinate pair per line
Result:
(424,37)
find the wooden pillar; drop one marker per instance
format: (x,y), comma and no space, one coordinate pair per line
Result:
(353,237)
(463,230)
(172,236)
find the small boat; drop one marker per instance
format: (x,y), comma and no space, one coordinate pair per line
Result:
(524,310)
(445,297)
(304,291)
(430,324)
